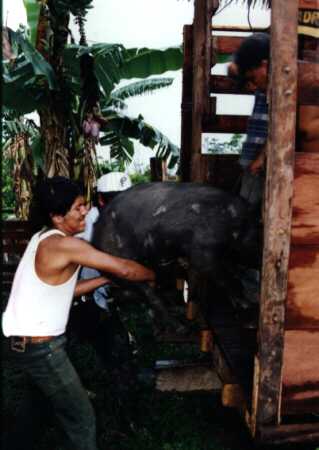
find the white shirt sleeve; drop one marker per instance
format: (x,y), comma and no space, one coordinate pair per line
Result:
(90,220)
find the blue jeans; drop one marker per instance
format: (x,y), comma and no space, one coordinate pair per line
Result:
(49,372)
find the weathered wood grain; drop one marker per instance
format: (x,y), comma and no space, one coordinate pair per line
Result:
(308,84)
(302,310)
(308,4)
(226,124)
(221,171)
(186,116)
(300,392)
(278,208)
(305,203)
(202,54)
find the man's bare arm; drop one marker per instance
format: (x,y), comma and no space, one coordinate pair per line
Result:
(80,252)
(86,286)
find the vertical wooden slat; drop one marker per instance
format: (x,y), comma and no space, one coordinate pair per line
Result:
(280,161)
(202,47)
(158,169)
(186,116)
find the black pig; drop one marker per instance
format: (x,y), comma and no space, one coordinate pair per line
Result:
(202,228)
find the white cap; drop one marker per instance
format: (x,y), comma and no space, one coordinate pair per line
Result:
(113,181)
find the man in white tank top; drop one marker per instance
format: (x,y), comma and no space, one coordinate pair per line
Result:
(38,309)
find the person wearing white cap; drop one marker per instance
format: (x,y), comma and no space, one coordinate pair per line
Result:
(108,186)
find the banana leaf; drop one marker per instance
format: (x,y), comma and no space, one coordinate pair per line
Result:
(40,66)
(141,87)
(113,62)
(27,79)
(107,57)
(141,63)
(120,126)
(33,10)
(20,89)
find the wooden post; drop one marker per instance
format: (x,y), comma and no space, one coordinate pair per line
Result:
(158,169)
(202,51)
(186,126)
(278,198)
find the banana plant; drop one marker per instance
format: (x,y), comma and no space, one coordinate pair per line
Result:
(31,75)
(20,140)
(48,75)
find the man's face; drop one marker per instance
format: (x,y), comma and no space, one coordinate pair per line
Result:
(73,221)
(258,76)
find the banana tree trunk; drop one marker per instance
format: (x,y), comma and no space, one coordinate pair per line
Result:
(85,163)
(54,136)
(20,153)
(54,119)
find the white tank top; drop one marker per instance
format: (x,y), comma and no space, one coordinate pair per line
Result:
(36,308)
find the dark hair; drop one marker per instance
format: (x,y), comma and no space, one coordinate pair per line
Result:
(53,196)
(252,51)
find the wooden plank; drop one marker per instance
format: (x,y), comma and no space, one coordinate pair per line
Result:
(222,368)
(202,54)
(302,311)
(222,84)
(158,169)
(227,44)
(241,29)
(277,213)
(308,23)
(309,55)
(226,124)
(305,215)
(186,115)
(221,171)
(233,396)
(199,75)
(300,392)
(309,4)
(304,433)
(308,84)
(188,379)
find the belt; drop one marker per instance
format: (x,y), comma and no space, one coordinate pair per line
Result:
(18,343)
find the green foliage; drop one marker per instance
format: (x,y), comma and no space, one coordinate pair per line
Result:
(29,78)
(120,126)
(110,166)
(118,166)
(141,177)
(8,197)
(39,65)
(141,62)
(215,147)
(113,62)
(33,10)
(75,7)
(26,79)
(138,88)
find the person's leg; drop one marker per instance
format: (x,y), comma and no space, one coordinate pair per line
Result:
(56,377)
(24,431)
